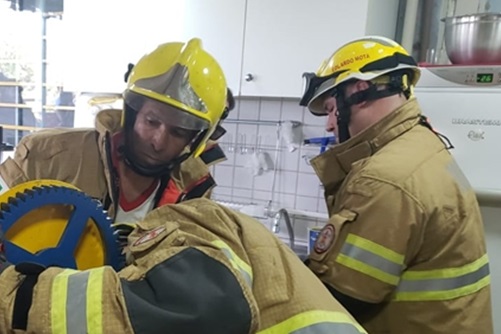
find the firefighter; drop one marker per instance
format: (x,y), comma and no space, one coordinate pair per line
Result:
(194,267)
(149,153)
(404,249)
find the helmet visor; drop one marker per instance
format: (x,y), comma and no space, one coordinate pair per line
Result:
(174,84)
(170,114)
(313,87)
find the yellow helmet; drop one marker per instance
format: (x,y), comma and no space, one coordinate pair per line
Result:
(369,58)
(186,77)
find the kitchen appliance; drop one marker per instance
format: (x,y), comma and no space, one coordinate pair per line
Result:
(464,104)
(473,38)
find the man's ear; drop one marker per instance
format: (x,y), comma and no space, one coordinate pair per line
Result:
(361,86)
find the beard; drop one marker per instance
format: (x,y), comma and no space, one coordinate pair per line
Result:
(137,156)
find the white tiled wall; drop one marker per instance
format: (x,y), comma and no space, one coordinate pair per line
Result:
(296,184)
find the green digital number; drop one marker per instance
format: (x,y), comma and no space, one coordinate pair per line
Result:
(485,77)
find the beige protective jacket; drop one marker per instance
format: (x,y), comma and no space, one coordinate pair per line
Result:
(197,268)
(405,231)
(82,157)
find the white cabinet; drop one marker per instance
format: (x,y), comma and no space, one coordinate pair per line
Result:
(284,38)
(273,41)
(265,46)
(102,37)
(220,25)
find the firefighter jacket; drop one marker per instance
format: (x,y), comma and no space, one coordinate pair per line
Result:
(83,158)
(197,267)
(405,230)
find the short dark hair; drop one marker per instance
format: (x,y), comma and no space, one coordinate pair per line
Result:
(230,99)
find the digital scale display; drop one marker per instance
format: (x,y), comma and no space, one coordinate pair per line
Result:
(485,77)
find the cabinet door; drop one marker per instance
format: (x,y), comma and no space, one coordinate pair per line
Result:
(284,38)
(220,25)
(102,37)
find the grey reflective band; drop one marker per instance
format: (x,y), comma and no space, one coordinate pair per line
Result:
(441,284)
(76,303)
(371,259)
(237,263)
(445,283)
(328,328)
(317,322)
(245,275)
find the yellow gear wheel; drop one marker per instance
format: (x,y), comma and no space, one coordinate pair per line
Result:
(52,222)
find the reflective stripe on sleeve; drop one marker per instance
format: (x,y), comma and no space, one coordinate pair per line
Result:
(372,259)
(444,284)
(316,322)
(237,263)
(77,302)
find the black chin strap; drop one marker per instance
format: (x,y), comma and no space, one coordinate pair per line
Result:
(148,171)
(159,170)
(393,87)
(344,105)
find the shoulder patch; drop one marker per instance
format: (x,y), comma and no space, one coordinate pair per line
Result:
(325,239)
(149,235)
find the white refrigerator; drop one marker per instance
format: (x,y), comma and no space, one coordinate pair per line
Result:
(464,104)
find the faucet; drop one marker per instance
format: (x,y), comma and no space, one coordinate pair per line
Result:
(282,214)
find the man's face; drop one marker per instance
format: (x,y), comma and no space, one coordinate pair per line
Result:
(330,108)
(155,139)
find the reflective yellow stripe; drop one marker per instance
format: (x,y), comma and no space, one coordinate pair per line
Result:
(94,305)
(446,273)
(375,248)
(443,295)
(367,269)
(372,259)
(58,302)
(323,321)
(77,301)
(444,284)
(236,262)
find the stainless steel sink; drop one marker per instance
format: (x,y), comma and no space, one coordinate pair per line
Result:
(283,215)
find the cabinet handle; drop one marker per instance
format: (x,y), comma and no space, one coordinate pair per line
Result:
(249,77)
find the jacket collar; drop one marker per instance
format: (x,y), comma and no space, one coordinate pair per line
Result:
(333,165)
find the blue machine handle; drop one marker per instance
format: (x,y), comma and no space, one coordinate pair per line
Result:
(322,141)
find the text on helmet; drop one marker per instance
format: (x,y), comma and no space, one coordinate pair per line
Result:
(351,61)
